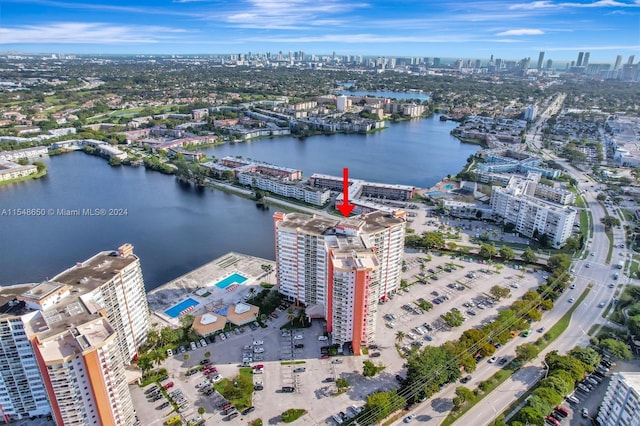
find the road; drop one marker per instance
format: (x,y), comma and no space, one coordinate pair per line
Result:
(592,271)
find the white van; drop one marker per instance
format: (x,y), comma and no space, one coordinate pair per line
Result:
(203,342)
(193,346)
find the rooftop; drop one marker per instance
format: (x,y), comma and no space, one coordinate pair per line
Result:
(96,271)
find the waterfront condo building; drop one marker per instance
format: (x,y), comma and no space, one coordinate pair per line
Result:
(340,268)
(83,371)
(65,343)
(112,281)
(22,390)
(621,403)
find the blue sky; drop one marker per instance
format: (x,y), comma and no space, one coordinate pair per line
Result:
(472,29)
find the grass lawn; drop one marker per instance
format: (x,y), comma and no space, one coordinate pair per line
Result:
(239,389)
(610,252)
(293,414)
(584,223)
(628,215)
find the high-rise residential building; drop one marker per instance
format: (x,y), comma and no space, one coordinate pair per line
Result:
(340,268)
(517,204)
(580,58)
(540,60)
(585,61)
(22,390)
(631,59)
(65,343)
(112,281)
(549,64)
(618,62)
(80,360)
(621,403)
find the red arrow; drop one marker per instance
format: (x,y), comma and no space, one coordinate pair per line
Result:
(345,208)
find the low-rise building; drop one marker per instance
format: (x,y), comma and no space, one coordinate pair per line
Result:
(10,170)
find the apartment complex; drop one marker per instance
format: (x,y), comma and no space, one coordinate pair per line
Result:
(67,342)
(340,268)
(112,281)
(621,403)
(517,204)
(22,390)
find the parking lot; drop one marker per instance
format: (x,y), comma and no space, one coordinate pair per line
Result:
(293,359)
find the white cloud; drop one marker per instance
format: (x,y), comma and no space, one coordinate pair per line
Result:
(545,4)
(521,32)
(589,48)
(85,33)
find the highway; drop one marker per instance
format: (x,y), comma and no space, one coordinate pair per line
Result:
(591,271)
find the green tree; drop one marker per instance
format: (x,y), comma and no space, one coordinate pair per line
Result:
(463,394)
(434,362)
(500,292)
(186,357)
(399,336)
(565,363)
(488,251)
(526,352)
(550,395)
(453,318)
(433,240)
(381,404)
(558,384)
(228,175)
(601,196)
(207,354)
(186,321)
(610,221)
(617,348)
(370,369)
(23,161)
(201,410)
(268,269)
(507,253)
(589,357)
(529,416)
(559,262)
(145,362)
(342,383)
(40,166)
(529,255)
(115,162)
(572,244)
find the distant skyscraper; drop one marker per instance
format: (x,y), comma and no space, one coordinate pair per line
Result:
(540,60)
(478,63)
(549,64)
(436,62)
(585,62)
(618,62)
(580,58)
(630,61)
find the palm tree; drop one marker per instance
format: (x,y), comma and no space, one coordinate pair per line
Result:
(267,269)
(302,316)
(400,335)
(158,355)
(290,315)
(153,338)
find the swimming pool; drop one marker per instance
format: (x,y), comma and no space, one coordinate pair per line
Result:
(448,186)
(231,279)
(175,311)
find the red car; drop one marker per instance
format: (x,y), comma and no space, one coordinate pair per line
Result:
(168,385)
(258,366)
(208,372)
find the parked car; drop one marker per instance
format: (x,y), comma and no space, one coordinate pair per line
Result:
(585,412)
(465,379)
(248,410)
(299,370)
(375,354)
(288,389)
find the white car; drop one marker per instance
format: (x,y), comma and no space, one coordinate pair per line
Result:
(322,338)
(216,379)
(258,342)
(297,337)
(223,336)
(258,350)
(203,343)
(571,300)
(169,352)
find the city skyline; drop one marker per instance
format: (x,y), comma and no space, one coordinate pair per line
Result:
(475,29)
